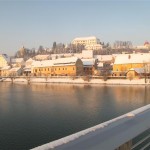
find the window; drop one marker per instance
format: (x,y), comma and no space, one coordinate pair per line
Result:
(73,68)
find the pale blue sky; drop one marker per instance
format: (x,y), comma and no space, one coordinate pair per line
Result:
(39,22)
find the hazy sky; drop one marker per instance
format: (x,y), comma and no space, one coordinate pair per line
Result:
(41,22)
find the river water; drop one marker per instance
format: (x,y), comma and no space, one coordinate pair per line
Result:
(32,115)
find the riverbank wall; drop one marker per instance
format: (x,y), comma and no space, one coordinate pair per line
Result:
(81,80)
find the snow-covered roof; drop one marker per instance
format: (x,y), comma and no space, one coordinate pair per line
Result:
(41,63)
(68,54)
(17,60)
(87,54)
(41,57)
(79,55)
(56,55)
(69,60)
(15,69)
(132,58)
(85,38)
(62,55)
(6,68)
(56,62)
(138,70)
(26,69)
(30,60)
(100,64)
(104,57)
(88,62)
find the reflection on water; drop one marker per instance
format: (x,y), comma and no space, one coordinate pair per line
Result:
(31,115)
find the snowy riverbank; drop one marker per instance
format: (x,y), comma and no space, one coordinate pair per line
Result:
(79,81)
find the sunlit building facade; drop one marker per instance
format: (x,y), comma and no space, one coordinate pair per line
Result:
(72,66)
(4,60)
(129,62)
(90,43)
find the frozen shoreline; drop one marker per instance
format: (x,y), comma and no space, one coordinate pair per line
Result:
(79,81)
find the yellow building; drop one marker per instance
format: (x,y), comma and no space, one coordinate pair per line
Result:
(124,62)
(4,60)
(135,73)
(5,71)
(72,66)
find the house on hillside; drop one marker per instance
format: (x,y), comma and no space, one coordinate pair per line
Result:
(17,62)
(72,66)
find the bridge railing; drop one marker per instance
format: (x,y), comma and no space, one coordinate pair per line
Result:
(129,131)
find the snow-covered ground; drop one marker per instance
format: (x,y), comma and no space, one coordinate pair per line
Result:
(80,81)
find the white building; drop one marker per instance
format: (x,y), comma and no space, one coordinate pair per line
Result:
(90,43)
(18,62)
(16,71)
(93,47)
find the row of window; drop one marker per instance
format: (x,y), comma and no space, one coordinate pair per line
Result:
(50,69)
(86,42)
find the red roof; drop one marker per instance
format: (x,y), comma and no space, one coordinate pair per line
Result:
(146,43)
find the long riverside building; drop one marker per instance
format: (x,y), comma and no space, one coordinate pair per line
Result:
(72,66)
